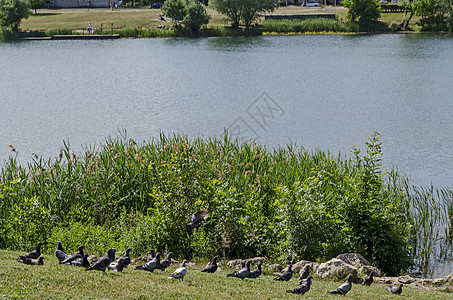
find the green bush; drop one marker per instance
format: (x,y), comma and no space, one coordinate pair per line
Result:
(309,25)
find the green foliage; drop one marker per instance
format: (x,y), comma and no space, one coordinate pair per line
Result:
(309,25)
(246,11)
(363,11)
(35,4)
(196,18)
(175,9)
(12,12)
(432,15)
(284,204)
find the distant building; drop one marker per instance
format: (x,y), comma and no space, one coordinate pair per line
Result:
(78,3)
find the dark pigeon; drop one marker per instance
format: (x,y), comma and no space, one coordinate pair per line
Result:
(151,265)
(166,262)
(35,253)
(303,287)
(197,218)
(126,258)
(180,272)
(31,261)
(242,273)
(102,263)
(60,253)
(212,266)
(81,262)
(257,272)
(285,275)
(396,289)
(344,288)
(305,273)
(117,266)
(78,254)
(369,279)
(151,255)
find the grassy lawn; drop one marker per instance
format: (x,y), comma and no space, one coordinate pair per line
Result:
(53,281)
(77,19)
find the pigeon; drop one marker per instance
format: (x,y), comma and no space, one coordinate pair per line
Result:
(305,273)
(81,262)
(31,261)
(151,255)
(126,258)
(212,266)
(344,288)
(303,287)
(285,275)
(242,273)
(257,272)
(179,273)
(35,253)
(166,262)
(151,265)
(78,254)
(197,219)
(59,252)
(102,263)
(369,279)
(118,265)
(395,289)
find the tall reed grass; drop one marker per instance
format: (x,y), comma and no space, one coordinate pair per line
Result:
(309,25)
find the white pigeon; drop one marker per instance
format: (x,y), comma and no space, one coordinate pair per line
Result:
(179,273)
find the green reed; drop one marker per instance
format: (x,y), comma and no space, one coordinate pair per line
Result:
(309,25)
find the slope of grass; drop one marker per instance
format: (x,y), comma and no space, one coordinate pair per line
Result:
(53,281)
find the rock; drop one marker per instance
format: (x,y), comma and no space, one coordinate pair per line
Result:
(406,279)
(363,266)
(439,281)
(297,267)
(275,268)
(449,277)
(236,263)
(336,268)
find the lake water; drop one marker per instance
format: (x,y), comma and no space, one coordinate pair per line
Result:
(327,92)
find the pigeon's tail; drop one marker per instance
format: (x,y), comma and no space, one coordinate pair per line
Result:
(139,268)
(291,291)
(336,292)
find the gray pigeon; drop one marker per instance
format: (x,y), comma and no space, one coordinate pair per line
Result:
(396,289)
(257,272)
(285,275)
(151,265)
(212,266)
(303,287)
(81,262)
(60,253)
(242,273)
(102,263)
(180,272)
(344,288)
(369,279)
(305,273)
(35,253)
(117,266)
(166,262)
(31,261)
(126,258)
(78,254)
(151,255)
(197,218)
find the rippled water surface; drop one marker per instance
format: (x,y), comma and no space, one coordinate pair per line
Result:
(333,92)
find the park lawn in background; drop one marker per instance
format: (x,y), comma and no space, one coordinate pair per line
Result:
(54,281)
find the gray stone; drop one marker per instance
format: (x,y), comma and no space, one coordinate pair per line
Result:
(336,268)
(363,266)
(406,279)
(299,266)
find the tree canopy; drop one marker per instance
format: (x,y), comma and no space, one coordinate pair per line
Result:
(175,9)
(12,12)
(242,10)
(363,11)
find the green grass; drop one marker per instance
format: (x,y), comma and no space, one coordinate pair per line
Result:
(53,281)
(309,25)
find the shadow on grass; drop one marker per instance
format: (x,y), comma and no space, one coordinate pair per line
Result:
(44,14)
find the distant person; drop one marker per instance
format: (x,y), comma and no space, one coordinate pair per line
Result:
(89,29)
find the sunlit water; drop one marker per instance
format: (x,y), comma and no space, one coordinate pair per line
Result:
(331,93)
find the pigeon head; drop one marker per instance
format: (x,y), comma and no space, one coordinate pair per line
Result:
(307,267)
(309,279)
(59,246)
(349,279)
(290,267)
(247,264)
(170,255)
(38,246)
(215,258)
(80,248)
(151,251)
(126,253)
(183,263)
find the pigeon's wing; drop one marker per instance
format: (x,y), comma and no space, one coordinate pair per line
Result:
(100,265)
(61,255)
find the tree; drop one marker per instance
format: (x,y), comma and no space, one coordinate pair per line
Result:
(196,17)
(175,9)
(242,10)
(363,11)
(12,12)
(447,6)
(35,4)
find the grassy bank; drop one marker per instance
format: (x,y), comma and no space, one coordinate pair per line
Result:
(53,281)
(310,25)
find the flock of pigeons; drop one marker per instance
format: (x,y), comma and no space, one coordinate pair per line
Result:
(153,262)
